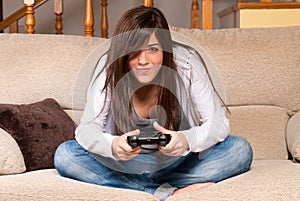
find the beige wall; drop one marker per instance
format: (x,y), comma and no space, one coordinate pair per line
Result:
(176,11)
(269,18)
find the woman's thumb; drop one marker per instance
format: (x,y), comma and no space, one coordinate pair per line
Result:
(158,127)
(134,132)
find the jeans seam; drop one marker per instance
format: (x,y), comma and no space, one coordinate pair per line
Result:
(142,188)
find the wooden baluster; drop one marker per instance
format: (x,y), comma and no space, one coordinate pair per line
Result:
(104,21)
(266,1)
(29,20)
(58,10)
(195,14)
(207,14)
(1,13)
(89,18)
(13,27)
(148,3)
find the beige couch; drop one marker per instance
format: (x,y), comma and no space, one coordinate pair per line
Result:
(260,69)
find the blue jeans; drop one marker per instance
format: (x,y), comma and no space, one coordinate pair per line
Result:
(226,159)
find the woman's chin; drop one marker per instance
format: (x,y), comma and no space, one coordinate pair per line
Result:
(144,80)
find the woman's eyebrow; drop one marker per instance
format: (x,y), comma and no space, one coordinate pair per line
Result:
(153,44)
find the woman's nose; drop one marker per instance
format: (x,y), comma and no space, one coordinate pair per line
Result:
(143,58)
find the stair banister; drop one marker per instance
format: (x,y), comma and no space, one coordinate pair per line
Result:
(29,21)
(148,3)
(104,20)
(58,10)
(89,18)
(195,14)
(1,13)
(207,12)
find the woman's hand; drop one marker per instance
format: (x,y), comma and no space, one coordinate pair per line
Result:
(122,150)
(178,144)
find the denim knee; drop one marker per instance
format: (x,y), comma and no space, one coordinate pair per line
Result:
(244,149)
(62,155)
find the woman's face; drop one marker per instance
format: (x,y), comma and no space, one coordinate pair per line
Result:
(146,65)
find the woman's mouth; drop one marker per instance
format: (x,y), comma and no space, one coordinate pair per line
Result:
(143,70)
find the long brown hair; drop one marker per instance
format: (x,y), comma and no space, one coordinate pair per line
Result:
(132,32)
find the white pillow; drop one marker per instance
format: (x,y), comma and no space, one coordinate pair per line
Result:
(11,157)
(293,136)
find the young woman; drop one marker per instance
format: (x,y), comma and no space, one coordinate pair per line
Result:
(146,84)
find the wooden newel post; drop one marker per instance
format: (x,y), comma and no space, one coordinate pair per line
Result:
(29,20)
(89,18)
(148,3)
(207,18)
(58,10)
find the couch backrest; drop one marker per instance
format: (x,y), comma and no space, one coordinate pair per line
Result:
(35,67)
(260,69)
(258,66)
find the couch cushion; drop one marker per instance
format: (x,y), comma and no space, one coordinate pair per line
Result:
(45,66)
(38,128)
(49,185)
(270,180)
(258,66)
(207,60)
(293,136)
(75,115)
(84,75)
(11,160)
(264,127)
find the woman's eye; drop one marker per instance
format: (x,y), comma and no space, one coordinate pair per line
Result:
(152,49)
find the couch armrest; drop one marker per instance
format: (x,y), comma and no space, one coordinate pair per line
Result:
(293,136)
(11,157)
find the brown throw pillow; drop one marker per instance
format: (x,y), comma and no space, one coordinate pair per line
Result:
(38,129)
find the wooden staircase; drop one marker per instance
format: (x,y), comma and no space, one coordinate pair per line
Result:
(31,5)
(28,11)
(266,13)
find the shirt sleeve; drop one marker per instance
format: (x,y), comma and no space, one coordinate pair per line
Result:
(215,125)
(90,133)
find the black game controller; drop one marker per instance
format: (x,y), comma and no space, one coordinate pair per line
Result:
(160,139)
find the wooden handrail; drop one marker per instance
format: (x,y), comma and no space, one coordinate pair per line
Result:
(245,1)
(259,5)
(18,14)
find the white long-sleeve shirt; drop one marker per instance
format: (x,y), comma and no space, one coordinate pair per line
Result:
(96,130)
